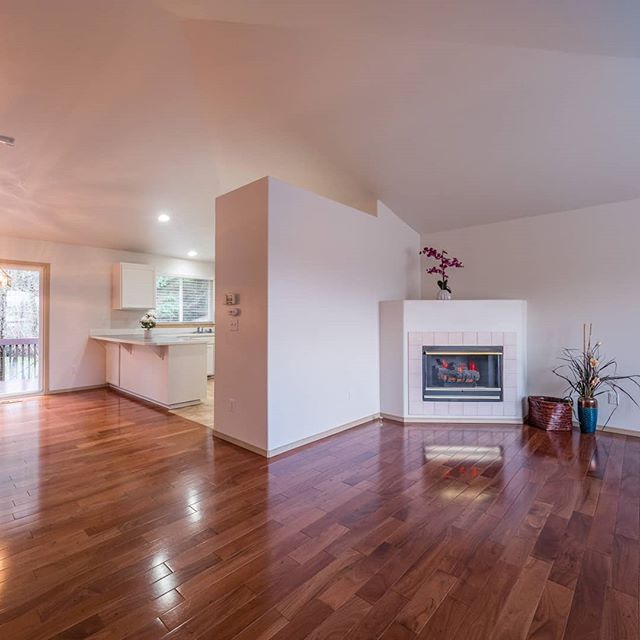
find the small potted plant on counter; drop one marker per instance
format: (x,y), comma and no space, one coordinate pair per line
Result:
(589,377)
(445,262)
(148,322)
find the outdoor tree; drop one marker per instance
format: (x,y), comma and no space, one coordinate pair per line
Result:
(20,305)
(19,318)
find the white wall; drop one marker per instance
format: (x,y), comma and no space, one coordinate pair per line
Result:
(393,359)
(571,267)
(329,267)
(240,397)
(325,267)
(81,301)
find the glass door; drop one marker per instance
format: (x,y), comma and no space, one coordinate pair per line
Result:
(21,329)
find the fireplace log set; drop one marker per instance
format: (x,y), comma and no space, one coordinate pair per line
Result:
(456,372)
(462,373)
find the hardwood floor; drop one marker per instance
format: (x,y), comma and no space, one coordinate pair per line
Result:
(120,521)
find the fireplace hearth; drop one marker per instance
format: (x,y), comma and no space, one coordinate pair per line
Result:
(462,373)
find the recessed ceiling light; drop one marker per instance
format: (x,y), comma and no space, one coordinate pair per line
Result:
(192,253)
(164,217)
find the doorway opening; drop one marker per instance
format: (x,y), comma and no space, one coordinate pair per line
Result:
(23,348)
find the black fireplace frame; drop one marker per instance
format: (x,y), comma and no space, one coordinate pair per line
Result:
(470,394)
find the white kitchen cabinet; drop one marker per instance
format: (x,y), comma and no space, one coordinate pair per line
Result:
(134,286)
(211,359)
(167,371)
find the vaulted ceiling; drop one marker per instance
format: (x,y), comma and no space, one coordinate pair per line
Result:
(453,113)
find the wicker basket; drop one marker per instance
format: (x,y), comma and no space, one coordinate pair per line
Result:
(550,414)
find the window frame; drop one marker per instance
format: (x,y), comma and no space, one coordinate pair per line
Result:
(189,323)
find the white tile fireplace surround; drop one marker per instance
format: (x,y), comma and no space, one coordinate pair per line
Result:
(408,328)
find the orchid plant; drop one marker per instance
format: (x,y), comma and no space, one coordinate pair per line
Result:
(445,262)
(589,375)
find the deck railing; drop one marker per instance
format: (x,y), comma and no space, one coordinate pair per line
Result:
(19,358)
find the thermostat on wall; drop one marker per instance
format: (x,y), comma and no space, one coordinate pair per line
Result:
(231,298)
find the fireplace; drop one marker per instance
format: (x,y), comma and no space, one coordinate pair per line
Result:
(462,373)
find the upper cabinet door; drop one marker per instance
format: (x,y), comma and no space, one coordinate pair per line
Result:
(134,286)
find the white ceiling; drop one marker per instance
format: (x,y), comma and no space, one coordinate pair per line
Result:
(453,113)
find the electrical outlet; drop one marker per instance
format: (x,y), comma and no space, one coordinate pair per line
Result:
(613,398)
(232,405)
(234,324)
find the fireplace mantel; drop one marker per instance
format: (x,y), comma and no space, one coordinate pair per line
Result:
(410,329)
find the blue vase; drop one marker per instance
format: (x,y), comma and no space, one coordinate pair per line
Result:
(588,415)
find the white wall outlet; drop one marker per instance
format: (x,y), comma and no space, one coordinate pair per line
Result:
(234,324)
(232,405)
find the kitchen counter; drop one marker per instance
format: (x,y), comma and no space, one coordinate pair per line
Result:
(167,370)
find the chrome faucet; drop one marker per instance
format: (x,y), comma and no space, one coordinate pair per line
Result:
(204,330)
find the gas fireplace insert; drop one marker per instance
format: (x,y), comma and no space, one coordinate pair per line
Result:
(462,373)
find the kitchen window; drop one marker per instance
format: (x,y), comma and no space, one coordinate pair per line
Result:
(182,299)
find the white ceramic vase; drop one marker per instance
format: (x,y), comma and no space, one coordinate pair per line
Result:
(443,294)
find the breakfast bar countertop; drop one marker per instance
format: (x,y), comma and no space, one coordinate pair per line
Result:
(158,340)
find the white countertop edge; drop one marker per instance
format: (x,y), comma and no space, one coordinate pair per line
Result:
(154,341)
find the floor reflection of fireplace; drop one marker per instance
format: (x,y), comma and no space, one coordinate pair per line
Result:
(464,461)
(463,452)
(462,373)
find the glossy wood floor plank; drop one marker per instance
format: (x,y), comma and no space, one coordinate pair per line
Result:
(121,521)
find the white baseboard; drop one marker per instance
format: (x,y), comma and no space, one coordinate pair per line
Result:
(450,420)
(619,430)
(93,387)
(240,443)
(609,429)
(491,420)
(319,436)
(270,453)
(155,403)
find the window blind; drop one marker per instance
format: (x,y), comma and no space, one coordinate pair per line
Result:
(181,299)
